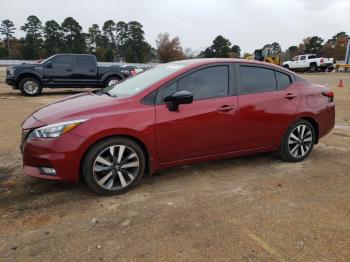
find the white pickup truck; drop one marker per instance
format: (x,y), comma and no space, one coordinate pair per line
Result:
(310,62)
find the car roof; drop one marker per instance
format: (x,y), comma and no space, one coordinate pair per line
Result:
(206,61)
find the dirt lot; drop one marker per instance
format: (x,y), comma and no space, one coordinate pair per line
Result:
(255,208)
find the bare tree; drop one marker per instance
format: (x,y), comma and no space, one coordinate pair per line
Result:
(169,50)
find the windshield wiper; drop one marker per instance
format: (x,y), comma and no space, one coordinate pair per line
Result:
(105,91)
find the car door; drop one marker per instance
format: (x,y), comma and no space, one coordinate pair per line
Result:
(205,127)
(295,62)
(303,62)
(268,100)
(84,70)
(58,70)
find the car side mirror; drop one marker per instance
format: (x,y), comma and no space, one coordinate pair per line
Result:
(180,97)
(48,65)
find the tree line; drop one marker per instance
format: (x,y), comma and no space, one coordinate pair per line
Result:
(125,41)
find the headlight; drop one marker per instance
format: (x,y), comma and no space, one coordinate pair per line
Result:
(11,71)
(55,130)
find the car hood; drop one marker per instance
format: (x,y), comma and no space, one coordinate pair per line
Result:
(74,107)
(27,66)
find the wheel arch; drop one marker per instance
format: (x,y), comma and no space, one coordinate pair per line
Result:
(148,167)
(28,75)
(314,123)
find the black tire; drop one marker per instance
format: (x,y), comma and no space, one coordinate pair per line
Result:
(286,148)
(30,86)
(102,149)
(286,66)
(114,79)
(313,68)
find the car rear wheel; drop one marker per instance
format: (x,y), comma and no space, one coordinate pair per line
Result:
(30,87)
(313,68)
(113,166)
(298,142)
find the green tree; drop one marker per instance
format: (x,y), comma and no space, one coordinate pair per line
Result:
(3,51)
(122,35)
(32,48)
(236,51)
(94,38)
(313,44)
(7,28)
(74,38)
(219,48)
(169,49)
(293,51)
(109,35)
(135,48)
(54,42)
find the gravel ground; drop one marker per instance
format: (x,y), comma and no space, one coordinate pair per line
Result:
(254,208)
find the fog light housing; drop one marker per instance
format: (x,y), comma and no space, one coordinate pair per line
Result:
(49,171)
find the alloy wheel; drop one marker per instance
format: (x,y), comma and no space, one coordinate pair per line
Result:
(112,82)
(300,141)
(31,87)
(116,167)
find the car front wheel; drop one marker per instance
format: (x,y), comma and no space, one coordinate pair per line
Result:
(298,142)
(113,166)
(30,87)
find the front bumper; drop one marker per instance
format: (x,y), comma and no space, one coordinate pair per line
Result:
(62,154)
(10,81)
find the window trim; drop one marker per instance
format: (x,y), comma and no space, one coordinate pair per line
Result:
(232,85)
(239,83)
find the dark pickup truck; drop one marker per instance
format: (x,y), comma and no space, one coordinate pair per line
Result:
(63,70)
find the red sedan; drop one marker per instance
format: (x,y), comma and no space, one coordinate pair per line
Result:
(177,113)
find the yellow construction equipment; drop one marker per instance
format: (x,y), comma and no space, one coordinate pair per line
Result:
(269,53)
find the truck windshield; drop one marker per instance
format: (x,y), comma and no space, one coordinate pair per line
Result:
(138,83)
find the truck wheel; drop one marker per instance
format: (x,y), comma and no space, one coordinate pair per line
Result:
(313,68)
(286,66)
(111,81)
(30,87)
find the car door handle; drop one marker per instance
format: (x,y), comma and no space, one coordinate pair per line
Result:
(225,108)
(290,96)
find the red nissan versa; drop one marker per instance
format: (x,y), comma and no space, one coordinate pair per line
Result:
(177,113)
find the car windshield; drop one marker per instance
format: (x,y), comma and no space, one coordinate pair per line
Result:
(44,60)
(138,83)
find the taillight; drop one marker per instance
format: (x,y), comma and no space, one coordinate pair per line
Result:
(133,72)
(322,60)
(329,94)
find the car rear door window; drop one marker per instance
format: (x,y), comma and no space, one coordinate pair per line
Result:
(283,80)
(207,83)
(257,80)
(84,61)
